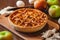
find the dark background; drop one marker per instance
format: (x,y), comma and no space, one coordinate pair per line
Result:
(5,3)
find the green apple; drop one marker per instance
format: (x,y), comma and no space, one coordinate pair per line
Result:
(53,2)
(5,35)
(54,11)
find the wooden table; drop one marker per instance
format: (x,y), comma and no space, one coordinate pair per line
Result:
(5,3)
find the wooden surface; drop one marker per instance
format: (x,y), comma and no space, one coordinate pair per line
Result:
(5,3)
(6,25)
(25,36)
(14,36)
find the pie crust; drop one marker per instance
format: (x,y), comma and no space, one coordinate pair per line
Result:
(28,19)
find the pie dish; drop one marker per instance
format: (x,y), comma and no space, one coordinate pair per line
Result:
(28,20)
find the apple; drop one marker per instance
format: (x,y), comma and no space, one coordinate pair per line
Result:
(54,11)
(53,2)
(31,1)
(5,35)
(40,4)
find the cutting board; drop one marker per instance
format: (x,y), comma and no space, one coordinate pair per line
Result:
(14,36)
(24,36)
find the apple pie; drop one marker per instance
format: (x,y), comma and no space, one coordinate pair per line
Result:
(28,19)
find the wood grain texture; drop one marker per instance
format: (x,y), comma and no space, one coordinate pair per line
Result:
(15,37)
(5,3)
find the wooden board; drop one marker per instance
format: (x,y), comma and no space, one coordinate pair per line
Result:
(14,36)
(26,36)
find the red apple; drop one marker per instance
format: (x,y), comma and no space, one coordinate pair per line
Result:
(40,4)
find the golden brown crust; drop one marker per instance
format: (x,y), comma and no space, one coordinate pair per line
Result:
(28,18)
